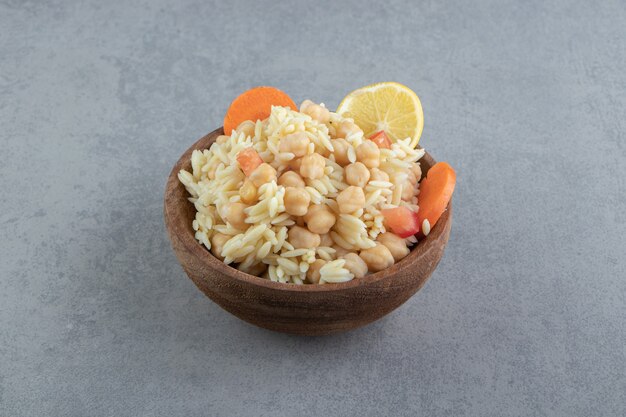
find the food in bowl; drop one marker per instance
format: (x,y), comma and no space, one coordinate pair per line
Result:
(306,196)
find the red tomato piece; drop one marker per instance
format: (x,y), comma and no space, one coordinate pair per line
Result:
(249,160)
(381,139)
(402,221)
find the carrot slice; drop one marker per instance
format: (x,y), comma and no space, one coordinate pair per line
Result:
(435,193)
(255,104)
(249,159)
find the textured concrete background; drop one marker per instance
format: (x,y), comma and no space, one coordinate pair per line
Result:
(525,315)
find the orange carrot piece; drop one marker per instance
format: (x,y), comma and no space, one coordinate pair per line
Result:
(435,193)
(381,139)
(255,104)
(249,159)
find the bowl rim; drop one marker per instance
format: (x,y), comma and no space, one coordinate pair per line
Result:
(173,217)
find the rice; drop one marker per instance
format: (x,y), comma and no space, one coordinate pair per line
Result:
(334,272)
(261,244)
(426,227)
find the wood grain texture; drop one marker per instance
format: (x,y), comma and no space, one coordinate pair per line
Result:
(289,308)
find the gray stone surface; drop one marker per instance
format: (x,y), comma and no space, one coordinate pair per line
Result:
(525,315)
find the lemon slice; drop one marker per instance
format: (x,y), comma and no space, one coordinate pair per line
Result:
(387,106)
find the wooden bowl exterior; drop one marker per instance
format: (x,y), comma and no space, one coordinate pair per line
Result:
(289,308)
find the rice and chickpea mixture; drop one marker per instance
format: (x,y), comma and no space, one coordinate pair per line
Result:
(299,197)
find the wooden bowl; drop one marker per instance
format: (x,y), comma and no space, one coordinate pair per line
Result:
(289,308)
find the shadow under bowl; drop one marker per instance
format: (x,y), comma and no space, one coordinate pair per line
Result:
(290,308)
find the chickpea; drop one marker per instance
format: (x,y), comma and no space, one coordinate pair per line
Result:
(323,150)
(408,190)
(291,179)
(340,147)
(317,112)
(313,273)
(263,174)
(340,252)
(221,139)
(396,245)
(411,178)
(248,192)
(345,128)
(378,175)
(377,258)
(301,238)
(218,240)
(351,199)
(296,143)
(368,153)
(319,219)
(295,164)
(355,264)
(296,201)
(257,270)
(357,174)
(414,174)
(247,128)
(236,216)
(417,170)
(312,166)
(326,240)
(305,105)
